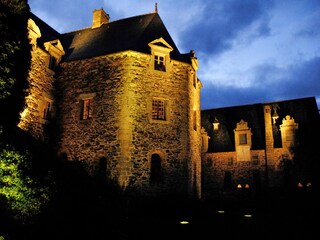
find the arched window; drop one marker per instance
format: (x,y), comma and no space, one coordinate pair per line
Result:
(102,168)
(256,180)
(155,170)
(227,180)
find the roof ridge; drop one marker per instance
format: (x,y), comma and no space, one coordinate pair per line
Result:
(145,14)
(118,20)
(33,15)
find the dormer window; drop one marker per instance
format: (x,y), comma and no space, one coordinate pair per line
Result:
(33,32)
(159,63)
(160,55)
(55,52)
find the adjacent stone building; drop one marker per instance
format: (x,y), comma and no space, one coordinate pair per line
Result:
(255,146)
(121,98)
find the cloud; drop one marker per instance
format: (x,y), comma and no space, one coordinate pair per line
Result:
(178,16)
(222,21)
(302,79)
(269,83)
(249,51)
(310,26)
(65,16)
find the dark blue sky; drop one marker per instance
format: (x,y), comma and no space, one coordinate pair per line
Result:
(249,51)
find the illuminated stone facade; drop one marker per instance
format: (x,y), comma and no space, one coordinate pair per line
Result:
(40,100)
(269,145)
(122,99)
(132,113)
(122,129)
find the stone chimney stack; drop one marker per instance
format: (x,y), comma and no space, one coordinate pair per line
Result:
(99,17)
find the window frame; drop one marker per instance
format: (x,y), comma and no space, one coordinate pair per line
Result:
(45,108)
(53,63)
(156,175)
(156,111)
(160,49)
(159,62)
(243,139)
(87,108)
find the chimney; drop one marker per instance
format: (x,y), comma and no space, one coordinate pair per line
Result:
(99,17)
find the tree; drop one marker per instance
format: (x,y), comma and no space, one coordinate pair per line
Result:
(15,56)
(22,197)
(22,194)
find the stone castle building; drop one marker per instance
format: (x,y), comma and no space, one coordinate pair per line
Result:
(255,146)
(126,102)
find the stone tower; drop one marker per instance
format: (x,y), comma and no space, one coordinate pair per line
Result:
(129,106)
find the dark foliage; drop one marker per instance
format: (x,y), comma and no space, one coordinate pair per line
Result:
(14,59)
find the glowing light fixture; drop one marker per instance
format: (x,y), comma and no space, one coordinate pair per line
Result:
(275,115)
(239,186)
(247,185)
(220,211)
(215,124)
(300,185)
(184,222)
(247,215)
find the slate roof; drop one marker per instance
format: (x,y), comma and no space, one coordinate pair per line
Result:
(47,32)
(303,110)
(132,33)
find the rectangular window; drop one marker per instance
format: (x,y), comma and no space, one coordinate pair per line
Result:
(158,109)
(87,109)
(195,120)
(46,110)
(53,63)
(159,63)
(243,139)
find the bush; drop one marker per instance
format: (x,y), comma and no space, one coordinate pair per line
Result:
(22,195)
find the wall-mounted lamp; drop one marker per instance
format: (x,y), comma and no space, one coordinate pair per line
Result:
(275,115)
(215,124)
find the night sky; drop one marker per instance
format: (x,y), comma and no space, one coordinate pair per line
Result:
(249,51)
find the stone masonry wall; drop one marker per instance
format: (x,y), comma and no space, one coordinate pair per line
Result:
(41,80)
(121,129)
(214,166)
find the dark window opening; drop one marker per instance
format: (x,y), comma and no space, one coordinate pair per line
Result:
(102,170)
(256,180)
(46,110)
(155,174)
(159,63)
(242,139)
(53,63)
(227,180)
(195,120)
